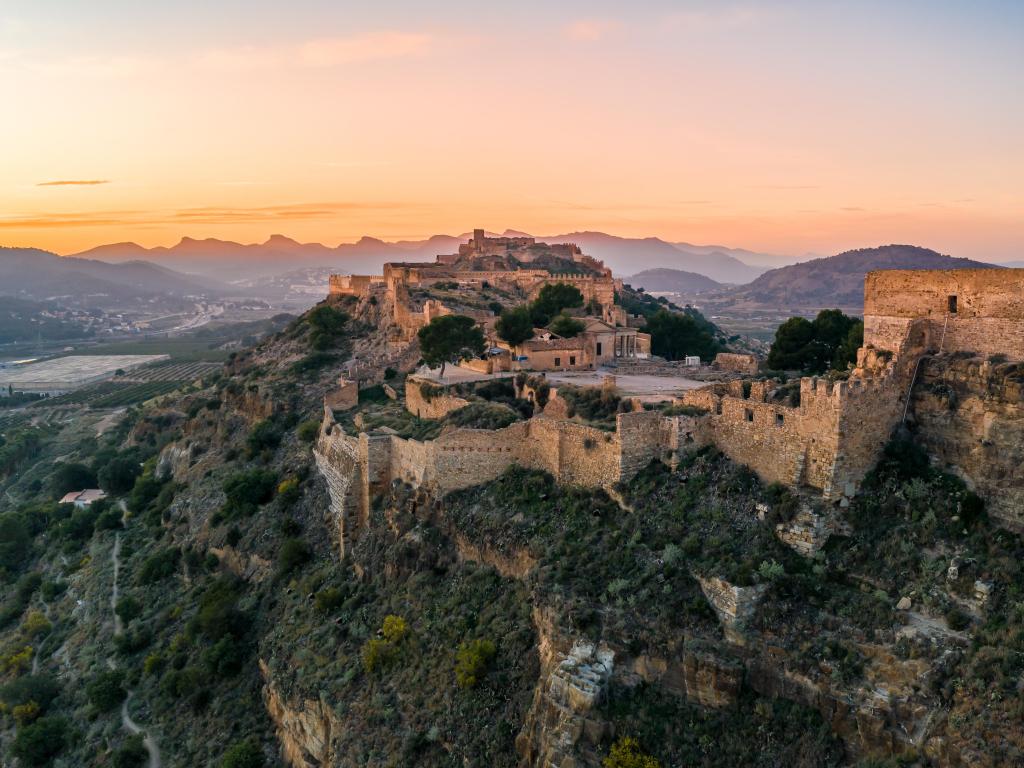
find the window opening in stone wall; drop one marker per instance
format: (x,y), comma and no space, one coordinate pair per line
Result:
(572,360)
(599,348)
(748,414)
(558,361)
(952,304)
(779,419)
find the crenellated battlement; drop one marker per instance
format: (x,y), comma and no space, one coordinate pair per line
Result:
(358,467)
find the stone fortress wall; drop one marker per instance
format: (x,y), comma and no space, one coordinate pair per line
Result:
(963,310)
(356,467)
(827,442)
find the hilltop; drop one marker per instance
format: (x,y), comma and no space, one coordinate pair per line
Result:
(672,280)
(37,274)
(502,624)
(835,281)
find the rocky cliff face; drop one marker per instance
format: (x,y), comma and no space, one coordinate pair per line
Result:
(303,728)
(969,416)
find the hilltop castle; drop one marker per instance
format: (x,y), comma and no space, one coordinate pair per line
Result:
(822,438)
(519,266)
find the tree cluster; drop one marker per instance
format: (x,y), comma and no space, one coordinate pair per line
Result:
(829,341)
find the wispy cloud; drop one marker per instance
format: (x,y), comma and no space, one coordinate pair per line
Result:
(590,30)
(199,215)
(73,183)
(319,52)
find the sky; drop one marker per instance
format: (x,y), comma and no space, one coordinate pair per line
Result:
(781,126)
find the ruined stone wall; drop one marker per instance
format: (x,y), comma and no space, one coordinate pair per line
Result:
(871,409)
(410,460)
(586,456)
(969,415)
(345,397)
(352,285)
(988,317)
(828,442)
(338,460)
(437,407)
(643,436)
(729,361)
(464,457)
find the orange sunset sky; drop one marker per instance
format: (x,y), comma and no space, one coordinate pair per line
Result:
(785,127)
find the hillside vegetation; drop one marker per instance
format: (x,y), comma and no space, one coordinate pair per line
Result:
(244,637)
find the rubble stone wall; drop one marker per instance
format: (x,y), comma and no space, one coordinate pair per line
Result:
(987,319)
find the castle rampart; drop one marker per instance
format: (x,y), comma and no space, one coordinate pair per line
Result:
(828,442)
(358,467)
(964,310)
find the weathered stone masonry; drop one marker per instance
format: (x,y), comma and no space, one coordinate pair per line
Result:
(357,467)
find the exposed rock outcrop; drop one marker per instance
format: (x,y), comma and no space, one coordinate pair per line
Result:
(304,729)
(970,418)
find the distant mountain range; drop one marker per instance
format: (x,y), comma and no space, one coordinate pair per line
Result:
(673,280)
(37,274)
(229,260)
(837,281)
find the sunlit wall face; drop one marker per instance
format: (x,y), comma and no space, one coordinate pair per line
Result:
(780,126)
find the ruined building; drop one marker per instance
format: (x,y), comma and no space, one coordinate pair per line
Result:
(823,435)
(515,264)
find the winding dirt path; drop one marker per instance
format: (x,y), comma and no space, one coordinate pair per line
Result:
(126,719)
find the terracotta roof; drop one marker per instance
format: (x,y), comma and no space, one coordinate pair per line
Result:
(87,496)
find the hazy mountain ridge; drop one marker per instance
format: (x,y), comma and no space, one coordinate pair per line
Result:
(839,280)
(40,274)
(224,258)
(674,280)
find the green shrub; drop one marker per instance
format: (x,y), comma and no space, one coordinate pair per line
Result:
(246,491)
(71,477)
(41,689)
(218,614)
(128,608)
(243,754)
(159,566)
(106,690)
(771,570)
(109,520)
(626,753)
(327,326)
(131,754)
(329,600)
(293,553)
(289,491)
(394,629)
(118,475)
(377,653)
(264,436)
(154,664)
(308,431)
(957,619)
(482,416)
(37,744)
(224,658)
(471,661)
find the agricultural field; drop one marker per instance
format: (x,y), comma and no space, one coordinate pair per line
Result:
(174,371)
(134,387)
(183,348)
